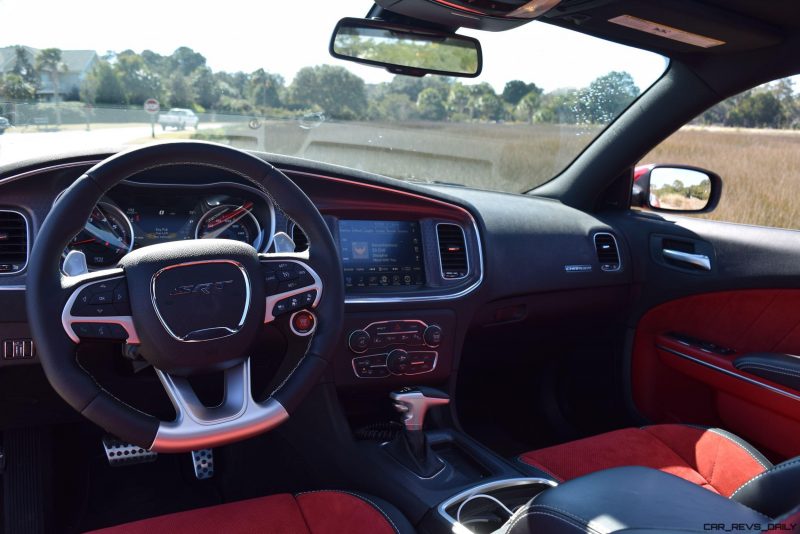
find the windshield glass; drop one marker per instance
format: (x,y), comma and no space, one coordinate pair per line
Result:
(259,76)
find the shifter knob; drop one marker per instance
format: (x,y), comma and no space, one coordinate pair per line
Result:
(413,403)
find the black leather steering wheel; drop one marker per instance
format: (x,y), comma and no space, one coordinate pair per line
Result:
(192,306)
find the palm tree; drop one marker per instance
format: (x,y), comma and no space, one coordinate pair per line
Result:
(49,60)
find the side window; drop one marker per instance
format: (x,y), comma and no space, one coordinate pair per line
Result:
(752,140)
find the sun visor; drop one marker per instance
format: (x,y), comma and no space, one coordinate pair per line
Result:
(677,26)
(489,15)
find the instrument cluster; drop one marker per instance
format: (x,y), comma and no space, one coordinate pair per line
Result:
(135,215)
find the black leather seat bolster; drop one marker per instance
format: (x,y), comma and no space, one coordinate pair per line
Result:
(782,369)
(629,498)
(773,492)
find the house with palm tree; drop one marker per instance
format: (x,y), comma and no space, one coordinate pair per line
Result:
(57,73)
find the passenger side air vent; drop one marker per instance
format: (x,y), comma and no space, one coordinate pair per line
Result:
(452,251)
(607,252)
(13,242)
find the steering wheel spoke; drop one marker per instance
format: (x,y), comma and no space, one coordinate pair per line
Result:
(98,307)
(291,284)
(197,426)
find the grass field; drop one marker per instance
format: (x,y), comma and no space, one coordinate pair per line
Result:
(760,169)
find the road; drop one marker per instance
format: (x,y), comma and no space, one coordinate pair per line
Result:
(18,146)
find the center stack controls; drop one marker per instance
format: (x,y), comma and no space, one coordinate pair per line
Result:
(395,348)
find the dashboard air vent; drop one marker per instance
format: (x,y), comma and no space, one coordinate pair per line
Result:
(13,242)
(452,251)
(607,252)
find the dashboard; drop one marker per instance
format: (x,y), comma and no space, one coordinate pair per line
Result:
(414,262)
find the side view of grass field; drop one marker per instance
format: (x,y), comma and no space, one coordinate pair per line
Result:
(760,171)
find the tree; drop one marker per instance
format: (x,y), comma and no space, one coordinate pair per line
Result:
(48,61)
(529,105)
(606,97)
(185,60)
(458,102)
(23,67)
(14,87)
(757,109)
(139,82)
(392,106)
(335,90)
(515,90)
(103,86)
(265,89)
(180,92)
(489,106)
(431,105)
(206,88)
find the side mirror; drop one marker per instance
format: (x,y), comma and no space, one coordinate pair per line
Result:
(676,188)
(406,50)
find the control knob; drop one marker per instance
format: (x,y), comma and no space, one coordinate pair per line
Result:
(433,335)
(358,341)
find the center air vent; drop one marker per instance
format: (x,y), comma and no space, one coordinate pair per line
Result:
(607,252)
(452,251)
(13,242)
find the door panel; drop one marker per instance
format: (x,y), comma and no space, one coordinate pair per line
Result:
(748,302)
(678,381)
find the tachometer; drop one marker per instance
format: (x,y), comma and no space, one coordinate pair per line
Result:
(229,221)
(106,238)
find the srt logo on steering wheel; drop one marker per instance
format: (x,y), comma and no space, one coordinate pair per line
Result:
(205,288)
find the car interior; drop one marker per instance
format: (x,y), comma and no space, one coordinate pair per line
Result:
(304,347)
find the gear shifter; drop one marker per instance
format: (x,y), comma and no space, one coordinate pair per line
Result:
(410,447)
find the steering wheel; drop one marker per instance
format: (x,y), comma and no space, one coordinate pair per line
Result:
(193,307)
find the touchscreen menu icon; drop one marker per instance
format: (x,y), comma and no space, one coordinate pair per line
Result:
(360,250)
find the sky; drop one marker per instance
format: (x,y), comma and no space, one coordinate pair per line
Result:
(284,36)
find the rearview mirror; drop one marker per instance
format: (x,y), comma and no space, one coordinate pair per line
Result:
(676,188)
(406,50)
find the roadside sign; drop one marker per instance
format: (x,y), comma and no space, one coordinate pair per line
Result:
(151,106)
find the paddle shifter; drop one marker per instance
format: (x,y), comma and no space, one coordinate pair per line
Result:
(410,447)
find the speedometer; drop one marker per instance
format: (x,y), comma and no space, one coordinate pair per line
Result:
(229,221)
(106,238)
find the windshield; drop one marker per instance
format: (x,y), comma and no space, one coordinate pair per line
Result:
(259,76)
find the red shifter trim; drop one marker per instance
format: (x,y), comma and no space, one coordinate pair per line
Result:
(668,387)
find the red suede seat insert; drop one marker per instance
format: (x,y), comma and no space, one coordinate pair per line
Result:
(700,456)
(323,512)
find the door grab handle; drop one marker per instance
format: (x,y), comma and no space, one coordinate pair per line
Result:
(698,260)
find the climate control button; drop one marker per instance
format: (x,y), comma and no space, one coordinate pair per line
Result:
(433,335)
(359,341)
(399,362)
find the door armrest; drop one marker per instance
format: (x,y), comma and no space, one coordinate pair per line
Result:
(783,369)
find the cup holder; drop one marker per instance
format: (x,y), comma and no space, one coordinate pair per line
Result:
(485,508)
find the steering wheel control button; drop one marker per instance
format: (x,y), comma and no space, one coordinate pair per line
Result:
(359,341)
(103,297)
(303,323)
(433,336)
(108,331)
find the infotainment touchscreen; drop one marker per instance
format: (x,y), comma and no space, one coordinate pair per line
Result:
(381,254)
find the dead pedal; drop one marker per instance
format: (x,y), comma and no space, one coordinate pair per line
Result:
(119,453)
(203,463)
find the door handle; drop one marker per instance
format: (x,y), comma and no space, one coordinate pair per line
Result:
(697,260)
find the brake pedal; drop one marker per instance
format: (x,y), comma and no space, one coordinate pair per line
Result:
(203,463)
(119,453)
